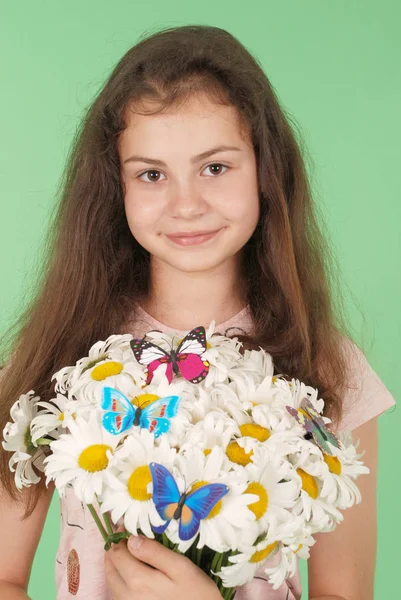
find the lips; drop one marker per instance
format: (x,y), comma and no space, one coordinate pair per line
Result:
(192,238)
(182,234)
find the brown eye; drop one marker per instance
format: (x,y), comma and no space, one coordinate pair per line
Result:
(216,168)
(153,176)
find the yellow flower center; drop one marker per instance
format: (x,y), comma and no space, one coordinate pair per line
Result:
(207,451)
(106,369)
(138,483)
(333,463)
(309,484)
(238,455)
(301,410)
(144,399)
(260,506)
(255,431)
(299,548)
(216,508)
(260,555)
(94,458)
(61,416)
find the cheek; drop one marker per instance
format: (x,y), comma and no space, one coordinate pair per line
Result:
(242,211)
(141,212)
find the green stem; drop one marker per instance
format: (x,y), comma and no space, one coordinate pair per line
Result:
(43,442)
(107,521)
(215,567)
(98,521)
(215,561)
(230,592)
(165,541)
(198,557)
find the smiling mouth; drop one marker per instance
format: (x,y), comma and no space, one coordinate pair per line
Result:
(189,239)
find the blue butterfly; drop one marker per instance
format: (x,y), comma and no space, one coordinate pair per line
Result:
(122,414)
(189,508)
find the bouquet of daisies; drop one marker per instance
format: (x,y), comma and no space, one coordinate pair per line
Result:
(196,443)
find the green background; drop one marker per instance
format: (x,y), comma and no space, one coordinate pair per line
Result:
(336,68)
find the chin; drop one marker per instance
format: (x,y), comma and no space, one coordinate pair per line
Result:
(196,264)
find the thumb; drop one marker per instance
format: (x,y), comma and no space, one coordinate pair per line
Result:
(155,554)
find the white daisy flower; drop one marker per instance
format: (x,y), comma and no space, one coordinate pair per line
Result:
(272,478)
(283,565)
(65,376)
(294,392)
(219,529)
(244,565)
(110,363)
(338,486)
(50,421)
(285,562)
(254,436)
(62,379)
(312,470)
(81,457)
(255,368)
(128,493)
(27,456)
(216,429)
(223,353)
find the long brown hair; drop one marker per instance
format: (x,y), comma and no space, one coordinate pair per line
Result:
(93,270)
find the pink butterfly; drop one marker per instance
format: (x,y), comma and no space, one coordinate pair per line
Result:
(185,360)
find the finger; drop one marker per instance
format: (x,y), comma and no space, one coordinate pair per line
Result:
(128,566)
(158,556)
(114,580)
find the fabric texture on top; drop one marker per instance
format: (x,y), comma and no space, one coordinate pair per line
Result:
(80,555)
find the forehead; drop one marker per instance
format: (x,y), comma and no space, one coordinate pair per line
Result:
(199,120)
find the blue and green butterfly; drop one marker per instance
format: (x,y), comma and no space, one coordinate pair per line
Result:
(314,426)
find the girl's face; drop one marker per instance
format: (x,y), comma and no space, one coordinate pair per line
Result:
(177,181)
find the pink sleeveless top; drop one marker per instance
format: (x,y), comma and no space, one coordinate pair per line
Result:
(80,555)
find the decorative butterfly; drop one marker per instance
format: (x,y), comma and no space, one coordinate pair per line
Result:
(188,508)
(122,414)
(315,427)
(186,359)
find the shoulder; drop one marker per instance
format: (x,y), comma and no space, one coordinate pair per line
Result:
(366,396)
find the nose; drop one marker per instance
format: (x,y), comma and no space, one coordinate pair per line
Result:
(186,201)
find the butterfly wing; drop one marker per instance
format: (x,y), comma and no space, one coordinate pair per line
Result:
(302,419)
(151,356)
(166,494)
(189,352)
(321,432)
(194,342)
(189,524)
(120,413)
(197,506)
(156,416)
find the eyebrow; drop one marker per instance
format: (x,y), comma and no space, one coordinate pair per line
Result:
(194,159)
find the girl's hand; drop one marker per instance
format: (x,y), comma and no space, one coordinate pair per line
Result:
(143,569)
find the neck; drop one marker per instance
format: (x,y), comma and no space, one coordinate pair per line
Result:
(182,300)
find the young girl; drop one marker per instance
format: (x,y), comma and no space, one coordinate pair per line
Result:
(186,200)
